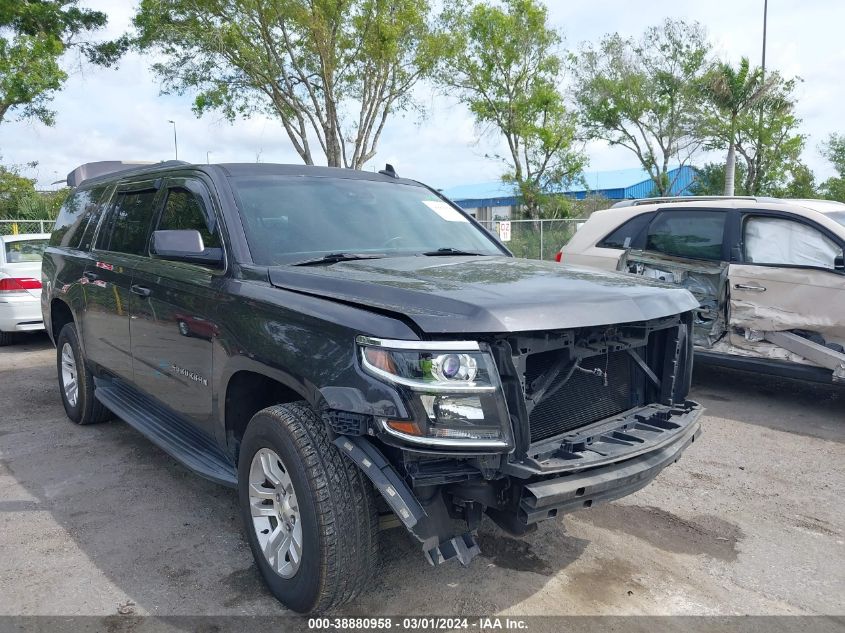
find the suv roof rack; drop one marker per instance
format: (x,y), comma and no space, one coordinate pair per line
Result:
(88,171)
(641,201)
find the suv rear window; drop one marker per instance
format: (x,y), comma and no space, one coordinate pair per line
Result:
(689,233)
(128,225)
(630,230)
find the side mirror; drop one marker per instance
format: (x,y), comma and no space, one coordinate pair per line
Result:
(186,246)
(839,262)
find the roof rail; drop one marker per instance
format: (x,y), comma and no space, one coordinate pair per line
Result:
(641,201)
(103,167)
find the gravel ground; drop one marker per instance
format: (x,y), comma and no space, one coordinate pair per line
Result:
(97,521)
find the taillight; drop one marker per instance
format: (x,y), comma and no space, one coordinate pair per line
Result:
(559,256)
(19,284)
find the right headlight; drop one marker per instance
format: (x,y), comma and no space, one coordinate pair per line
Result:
(452,386)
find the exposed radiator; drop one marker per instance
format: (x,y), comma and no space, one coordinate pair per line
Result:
(584,399)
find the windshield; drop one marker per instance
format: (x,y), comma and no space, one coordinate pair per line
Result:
(25,251)
(291,218)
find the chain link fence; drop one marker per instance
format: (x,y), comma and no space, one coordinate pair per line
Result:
(534,239)
(20,227)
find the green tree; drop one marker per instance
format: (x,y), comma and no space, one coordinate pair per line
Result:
(330,70)
(834,150)
(732,93)
(34,34)
(19,199)
(797,181)
(778,142)
(644,94)
(801,184)
(503,63)
(710,180)
(13,188)
(768,138)
(765,137)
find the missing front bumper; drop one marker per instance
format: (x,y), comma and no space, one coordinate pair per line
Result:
(621,437)
(547,498)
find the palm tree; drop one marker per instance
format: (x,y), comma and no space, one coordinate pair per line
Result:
(733,93)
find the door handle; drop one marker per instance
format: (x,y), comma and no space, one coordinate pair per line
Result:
(747,287)
(141,290)
(90,276)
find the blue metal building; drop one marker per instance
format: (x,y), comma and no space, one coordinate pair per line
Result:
(491,199)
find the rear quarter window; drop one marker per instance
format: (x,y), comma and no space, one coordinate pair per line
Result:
(626,235)
(74,217)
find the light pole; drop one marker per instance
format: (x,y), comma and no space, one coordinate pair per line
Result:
(207,161)
(765,25)
(175,145)
(758,159)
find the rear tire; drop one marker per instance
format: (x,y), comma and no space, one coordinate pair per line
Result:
(76,382)
(333,508)
(7,338)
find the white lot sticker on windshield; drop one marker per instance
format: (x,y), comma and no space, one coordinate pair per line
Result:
(444,210)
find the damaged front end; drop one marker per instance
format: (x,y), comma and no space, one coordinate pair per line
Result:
(592,414)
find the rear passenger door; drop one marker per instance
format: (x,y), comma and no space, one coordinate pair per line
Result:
(174,325)
(107,280)
(784,277)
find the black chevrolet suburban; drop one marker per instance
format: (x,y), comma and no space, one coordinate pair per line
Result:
(352,352)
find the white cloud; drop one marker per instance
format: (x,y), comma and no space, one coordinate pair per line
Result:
(118,114)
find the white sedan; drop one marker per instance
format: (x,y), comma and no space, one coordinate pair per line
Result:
(20,284)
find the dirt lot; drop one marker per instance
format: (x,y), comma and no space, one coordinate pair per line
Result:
(750,521)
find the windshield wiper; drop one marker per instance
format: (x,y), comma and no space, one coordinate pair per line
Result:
(333,258)
(443,252)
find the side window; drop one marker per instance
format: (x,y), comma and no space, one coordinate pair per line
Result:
(128,223)
(186,210)
(778,241)
(629,231)
(693,234)
(74,216)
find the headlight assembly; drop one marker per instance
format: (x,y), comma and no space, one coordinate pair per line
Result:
(452,386)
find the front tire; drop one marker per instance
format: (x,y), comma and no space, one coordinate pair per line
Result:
(7,338)
(309,513)
(76,382)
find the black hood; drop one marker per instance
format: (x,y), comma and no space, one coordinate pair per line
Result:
(488,294)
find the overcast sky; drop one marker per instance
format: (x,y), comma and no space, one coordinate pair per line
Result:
(105,114)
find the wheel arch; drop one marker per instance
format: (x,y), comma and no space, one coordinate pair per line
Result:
(247,392)
(60,315)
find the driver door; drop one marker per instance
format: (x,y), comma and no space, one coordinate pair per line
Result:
(174,311)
